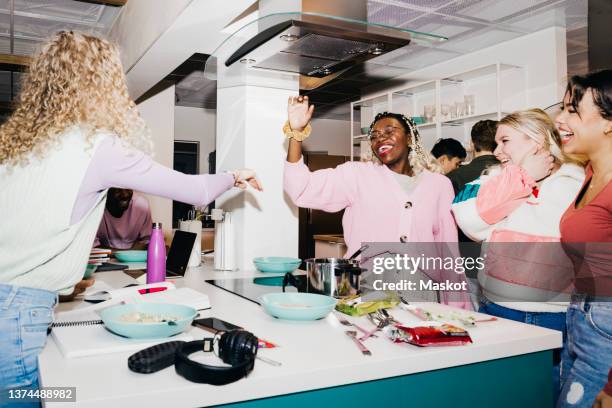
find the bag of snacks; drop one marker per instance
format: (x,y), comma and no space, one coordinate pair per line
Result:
(428,334)
(358,306)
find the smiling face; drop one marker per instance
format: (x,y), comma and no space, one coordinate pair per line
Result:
(389,141)
(582,131)
(118,200)
(512,145)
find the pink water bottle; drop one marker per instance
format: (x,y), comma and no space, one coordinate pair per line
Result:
(156,255)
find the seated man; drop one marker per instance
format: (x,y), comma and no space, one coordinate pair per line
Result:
(449,153)
(126,223)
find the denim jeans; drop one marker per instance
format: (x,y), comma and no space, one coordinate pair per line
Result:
(549,320)
(587,356)
(25,316)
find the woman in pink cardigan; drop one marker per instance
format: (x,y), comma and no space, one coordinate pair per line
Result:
(400,198)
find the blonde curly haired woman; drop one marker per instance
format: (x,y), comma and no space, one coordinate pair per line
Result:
(516,209)
(401,197)
(75,133)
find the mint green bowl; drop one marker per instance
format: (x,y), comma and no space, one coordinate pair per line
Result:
(89,270)
(131,256)
(184,315)
(297,306)
(276,264)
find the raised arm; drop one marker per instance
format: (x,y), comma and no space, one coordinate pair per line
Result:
(326,189)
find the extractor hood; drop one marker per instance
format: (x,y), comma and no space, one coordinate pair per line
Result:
(317,47)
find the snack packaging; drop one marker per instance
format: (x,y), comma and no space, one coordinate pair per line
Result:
(357,306)
(428,334)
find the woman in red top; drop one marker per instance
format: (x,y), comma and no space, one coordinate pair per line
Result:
(585,125)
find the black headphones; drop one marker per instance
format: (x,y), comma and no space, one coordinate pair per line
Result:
(236,347)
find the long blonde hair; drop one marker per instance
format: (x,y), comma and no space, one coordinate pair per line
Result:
(538,126)
(75,79)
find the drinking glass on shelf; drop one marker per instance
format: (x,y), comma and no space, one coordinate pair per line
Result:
(470,104)
(429,111)
(459,109)
(445,111)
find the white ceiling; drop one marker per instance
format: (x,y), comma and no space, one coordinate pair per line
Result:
(469,24)
(36,20)
(33,21)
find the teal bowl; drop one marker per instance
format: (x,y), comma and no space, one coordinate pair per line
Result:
(297,306)
(113,320)
(131,256)
(89,271)
(277,264)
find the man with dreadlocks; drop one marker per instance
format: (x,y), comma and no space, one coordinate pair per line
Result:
(400,197)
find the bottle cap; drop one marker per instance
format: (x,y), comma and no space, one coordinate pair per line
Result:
(157,225)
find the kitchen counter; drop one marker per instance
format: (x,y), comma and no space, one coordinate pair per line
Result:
(509,364)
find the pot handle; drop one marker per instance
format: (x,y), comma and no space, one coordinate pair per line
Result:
(291,280)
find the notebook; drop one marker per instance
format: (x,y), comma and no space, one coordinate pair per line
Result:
(91,339)
(80,333)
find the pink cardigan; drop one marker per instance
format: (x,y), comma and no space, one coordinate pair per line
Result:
(377,209)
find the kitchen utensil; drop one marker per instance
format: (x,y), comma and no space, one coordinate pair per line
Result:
(277,264)
(297,306)
(358,252)
(269,361)
(195,227)
(353,335)
(181,317)
(131,256)
(345,322)
(379,322)
(328,276)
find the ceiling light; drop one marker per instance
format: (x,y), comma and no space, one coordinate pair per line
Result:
(289,37)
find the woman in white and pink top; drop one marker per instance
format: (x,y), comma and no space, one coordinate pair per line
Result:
(516,209)
(74,133)
(402,197)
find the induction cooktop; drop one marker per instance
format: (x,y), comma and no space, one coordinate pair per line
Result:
(252,288)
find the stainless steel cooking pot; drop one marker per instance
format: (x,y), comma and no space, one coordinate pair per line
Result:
(335,277)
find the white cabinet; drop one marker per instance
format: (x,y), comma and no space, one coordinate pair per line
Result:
(444,107)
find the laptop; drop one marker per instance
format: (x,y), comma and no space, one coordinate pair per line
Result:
(179,253)
(177,259)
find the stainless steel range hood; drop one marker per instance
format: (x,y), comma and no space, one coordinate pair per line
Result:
(317,47)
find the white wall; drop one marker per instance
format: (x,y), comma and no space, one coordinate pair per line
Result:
(158,112)
(198,125)
(329,135)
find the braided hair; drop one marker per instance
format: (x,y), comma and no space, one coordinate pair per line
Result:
(419,158)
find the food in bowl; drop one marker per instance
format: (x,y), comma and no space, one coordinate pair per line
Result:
(148,320)
(140,317)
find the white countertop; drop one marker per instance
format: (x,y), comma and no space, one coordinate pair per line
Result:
(313,354)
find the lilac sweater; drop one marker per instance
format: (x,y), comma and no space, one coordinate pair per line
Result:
(113,165)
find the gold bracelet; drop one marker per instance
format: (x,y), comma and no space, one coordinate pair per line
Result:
(296,134)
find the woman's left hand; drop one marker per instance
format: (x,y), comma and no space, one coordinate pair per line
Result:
(78,289)
(244,176)
(538,164)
